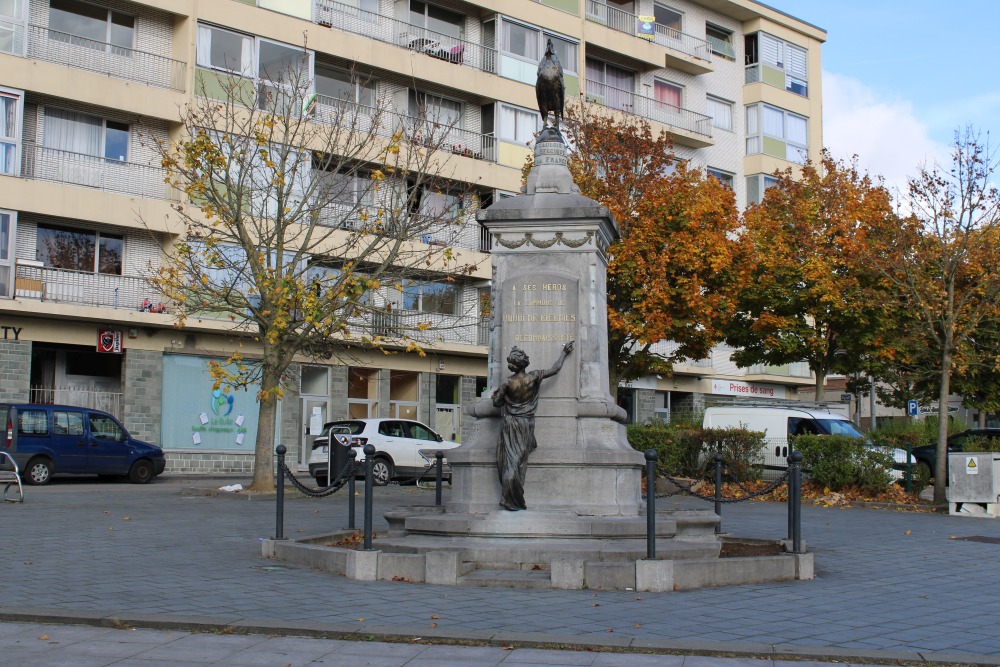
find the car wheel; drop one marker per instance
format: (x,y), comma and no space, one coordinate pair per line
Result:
(321,481)
(38,472)
(381,472)
(141,472)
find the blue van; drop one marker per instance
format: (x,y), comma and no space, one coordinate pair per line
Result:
(51,439)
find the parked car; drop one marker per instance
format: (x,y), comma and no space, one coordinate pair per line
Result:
(780,423)
(46,440)
(398,445)
(926,455)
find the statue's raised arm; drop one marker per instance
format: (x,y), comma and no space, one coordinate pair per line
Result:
(550,88)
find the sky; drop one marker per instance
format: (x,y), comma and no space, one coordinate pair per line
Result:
(900,77)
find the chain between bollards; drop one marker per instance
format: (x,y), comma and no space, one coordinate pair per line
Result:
(650,504)
(279,530)
(369,486)
(795,501)
(351,488)
(718,491)
(438,477)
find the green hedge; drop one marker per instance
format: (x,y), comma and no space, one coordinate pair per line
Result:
(683,450)
(838,461)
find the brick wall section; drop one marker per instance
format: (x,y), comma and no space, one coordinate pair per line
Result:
(384,379)
(142,395)
(427,399)
(338,393)
(15,370)
(290,427)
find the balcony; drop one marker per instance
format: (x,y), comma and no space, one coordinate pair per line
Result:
(684,52)
(688,127)
(83,288)
(128,178)
(461,329)
(406,35)
(82,53)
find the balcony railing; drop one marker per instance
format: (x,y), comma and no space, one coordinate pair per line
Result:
(463,329)
(82,287)
(622,21)
(82,53)
(130,178)
(107,401)
(391,31)
(647,107)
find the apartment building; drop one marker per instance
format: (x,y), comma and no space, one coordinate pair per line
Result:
(88,86)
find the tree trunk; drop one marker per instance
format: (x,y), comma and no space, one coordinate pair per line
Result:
(940,474)
(982,419)
(820,382)
(263,459)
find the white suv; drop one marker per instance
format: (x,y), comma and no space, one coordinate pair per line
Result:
(403,448)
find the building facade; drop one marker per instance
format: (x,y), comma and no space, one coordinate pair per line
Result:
(87,87)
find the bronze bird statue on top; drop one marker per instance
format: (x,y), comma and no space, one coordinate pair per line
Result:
(550,89)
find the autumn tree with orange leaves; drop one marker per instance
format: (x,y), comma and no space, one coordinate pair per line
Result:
(811,294)
(672,276)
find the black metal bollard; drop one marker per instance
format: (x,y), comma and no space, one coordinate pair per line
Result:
(351,487)
(795,501)
(438,477)
(650,504)
(718,491)
(369,486)
(279,530)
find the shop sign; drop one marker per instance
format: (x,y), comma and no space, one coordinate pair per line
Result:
(749,389)
(110,341)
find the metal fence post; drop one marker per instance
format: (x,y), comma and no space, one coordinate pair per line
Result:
(718,491)
(438,477)
(351,487)
(795,500)
(650,504)
(369,486)
(279,530)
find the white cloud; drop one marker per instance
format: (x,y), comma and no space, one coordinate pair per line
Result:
(885,133)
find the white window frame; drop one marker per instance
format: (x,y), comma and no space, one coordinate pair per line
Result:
(14,26)
(717,121)
(104,133)
(519,112)
(359,85)
(9,262)
(755,133)
(95,267)
(410,285)
(433,111)
(680,16)
(729,53)
(203,55)
(671,84)
(757,185)
(18,122)
(791,59)
(727,178)
(542,36)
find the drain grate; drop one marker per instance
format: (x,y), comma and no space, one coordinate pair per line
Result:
(980,538)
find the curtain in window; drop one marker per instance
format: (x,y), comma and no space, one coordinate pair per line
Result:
(204,55)
(774,122)
(797,130)
(721,113)
(517,125)
(75,132)
(520,41)
(667,93)
(8,134)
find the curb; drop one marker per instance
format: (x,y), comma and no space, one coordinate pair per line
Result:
(361,632)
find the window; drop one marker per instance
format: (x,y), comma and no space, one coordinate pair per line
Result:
(421,432)
(339,84)
(437,19)
(518,125)
(668,94)
(79,250)
(8,224)
(87,135)
(783,64)
(224,50)
(721,113)
(91,26)
(612,86)
(440,205)
(67,423)
(777,132)
(435,109)
(12,26)
(529,43)
(724,176)
(283,74)
(105,428)
(32,422)
(720,41)
(10,130)
(669,19)
(757,184)
(430,297)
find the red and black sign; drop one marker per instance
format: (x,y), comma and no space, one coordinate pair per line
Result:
(109,340)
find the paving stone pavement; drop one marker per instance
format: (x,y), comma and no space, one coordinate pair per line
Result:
(890,585)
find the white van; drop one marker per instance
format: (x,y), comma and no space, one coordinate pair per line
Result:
(779,423)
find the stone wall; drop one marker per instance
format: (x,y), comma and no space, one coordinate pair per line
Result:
(142,398)
(15,370)
(468,398)
(644,406)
